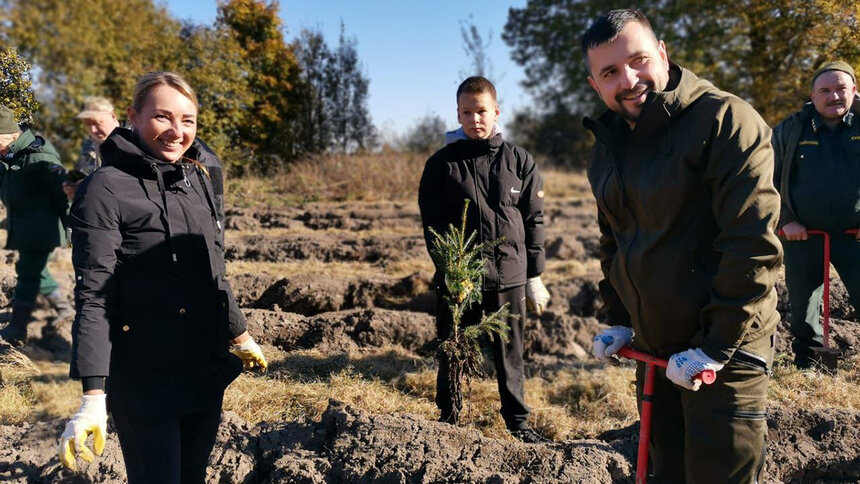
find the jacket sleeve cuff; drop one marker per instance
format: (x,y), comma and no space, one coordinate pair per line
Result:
(93,383)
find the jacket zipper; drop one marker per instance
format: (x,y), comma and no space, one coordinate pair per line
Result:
(480,211)
(629,247)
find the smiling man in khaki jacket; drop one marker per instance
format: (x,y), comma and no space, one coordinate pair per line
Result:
(682,174)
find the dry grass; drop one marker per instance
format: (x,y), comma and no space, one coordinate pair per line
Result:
(371,177)
(367,177)
(819,388)
(577,401)
(350,270)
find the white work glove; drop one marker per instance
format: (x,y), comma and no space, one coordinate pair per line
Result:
(250,354)
(610,341)
(537,296)
(683,367)
(91,418)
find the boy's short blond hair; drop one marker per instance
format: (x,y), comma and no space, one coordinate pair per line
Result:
(476,85)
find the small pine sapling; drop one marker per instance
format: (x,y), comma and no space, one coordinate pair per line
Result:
(459,259)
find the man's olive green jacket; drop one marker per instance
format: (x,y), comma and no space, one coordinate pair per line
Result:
(31,187)
(687,212)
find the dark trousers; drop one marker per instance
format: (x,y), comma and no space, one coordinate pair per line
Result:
(508,357)
(169,451)
(715,435)
(33,276)
(804,277)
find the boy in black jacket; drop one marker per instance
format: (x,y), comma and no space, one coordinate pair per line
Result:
(506,192)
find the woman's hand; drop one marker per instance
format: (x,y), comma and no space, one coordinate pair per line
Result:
(249,352)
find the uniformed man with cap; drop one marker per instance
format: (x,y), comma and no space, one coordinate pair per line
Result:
(817,152)
(31,179)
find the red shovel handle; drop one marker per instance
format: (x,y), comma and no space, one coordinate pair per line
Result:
(707,376)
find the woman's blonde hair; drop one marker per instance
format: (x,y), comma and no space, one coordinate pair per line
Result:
(151,80)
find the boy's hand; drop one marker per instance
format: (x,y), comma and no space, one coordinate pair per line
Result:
(537,296)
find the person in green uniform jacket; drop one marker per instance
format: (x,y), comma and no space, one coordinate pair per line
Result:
(31,179)
(817,173)
(682,174)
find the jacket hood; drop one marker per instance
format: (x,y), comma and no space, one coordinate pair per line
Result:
(458,134)
(122,150)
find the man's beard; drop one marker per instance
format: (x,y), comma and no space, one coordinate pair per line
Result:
(640,89)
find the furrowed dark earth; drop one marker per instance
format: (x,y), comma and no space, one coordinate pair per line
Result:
(319,305)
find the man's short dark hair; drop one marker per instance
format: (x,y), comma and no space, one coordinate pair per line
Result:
(476,85)
(607,28)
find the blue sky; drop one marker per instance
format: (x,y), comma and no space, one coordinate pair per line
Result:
(411,51)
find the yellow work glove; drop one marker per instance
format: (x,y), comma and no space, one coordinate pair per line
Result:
(91,418)
(250,354)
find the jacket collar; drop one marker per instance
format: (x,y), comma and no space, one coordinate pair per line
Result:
(848,119)
(477,147)
(122,150)
(26,142)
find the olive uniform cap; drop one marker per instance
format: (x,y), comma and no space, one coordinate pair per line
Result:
(8,125)
(834,66)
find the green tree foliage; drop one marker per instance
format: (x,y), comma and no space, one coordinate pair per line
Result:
(350,117)
(269,132)
(459,258)
(16,89)
(761,50)
(216,66)
(334,115)
(84,48)
(426,136)
(314,127)
(256,108)
(554,137)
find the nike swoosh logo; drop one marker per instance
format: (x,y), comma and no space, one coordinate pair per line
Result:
(514,191)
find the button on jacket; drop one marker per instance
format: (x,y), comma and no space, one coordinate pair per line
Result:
(154,310)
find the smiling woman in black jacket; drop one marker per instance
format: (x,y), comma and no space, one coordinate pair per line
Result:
(155,314)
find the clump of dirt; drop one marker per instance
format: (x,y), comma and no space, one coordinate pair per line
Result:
(369,328)
(358,447)
(345,446)
(310,294)
(7,277)
(563,336)
(802,445)
(342,330)
(248,288)
(276,328)
(813,446)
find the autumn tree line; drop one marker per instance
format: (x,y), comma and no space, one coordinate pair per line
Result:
(266,100)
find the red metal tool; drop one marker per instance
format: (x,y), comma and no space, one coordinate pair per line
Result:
(826,297)
(651,364)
